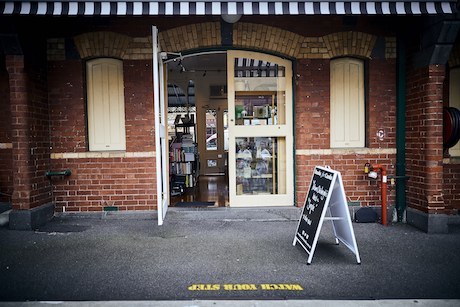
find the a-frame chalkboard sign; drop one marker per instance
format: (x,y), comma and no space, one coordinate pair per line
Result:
(326,195)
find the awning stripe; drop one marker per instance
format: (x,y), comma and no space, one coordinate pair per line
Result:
(155,8)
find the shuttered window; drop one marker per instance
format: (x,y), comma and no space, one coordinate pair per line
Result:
(454,101)
(106,107)
(347,103)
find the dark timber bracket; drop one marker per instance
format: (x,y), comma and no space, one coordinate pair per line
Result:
(65,173)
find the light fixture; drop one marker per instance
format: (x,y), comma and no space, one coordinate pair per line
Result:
(181,66)
(165,55)
(231,18)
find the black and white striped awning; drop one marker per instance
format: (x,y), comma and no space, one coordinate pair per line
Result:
(206,7)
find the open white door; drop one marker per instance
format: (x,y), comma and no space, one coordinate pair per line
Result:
(161,124)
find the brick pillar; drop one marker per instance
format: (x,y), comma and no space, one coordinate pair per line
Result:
(20,132)
(425,148)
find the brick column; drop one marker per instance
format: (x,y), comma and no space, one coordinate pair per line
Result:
(20,132)
(425,148)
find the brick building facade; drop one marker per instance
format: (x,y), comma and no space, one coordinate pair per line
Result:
(44,103)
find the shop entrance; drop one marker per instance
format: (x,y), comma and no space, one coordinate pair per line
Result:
(219,103)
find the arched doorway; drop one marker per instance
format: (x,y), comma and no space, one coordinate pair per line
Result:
(238,98)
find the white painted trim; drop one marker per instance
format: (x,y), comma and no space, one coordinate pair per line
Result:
(102,154)
(346,151)
(6,145)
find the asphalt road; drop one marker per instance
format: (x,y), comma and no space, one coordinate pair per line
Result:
(223,254)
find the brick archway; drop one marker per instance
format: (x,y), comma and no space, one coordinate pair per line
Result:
(245,35)
(274,40)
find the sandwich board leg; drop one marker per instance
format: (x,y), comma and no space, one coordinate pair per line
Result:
(310,256)
(333,226)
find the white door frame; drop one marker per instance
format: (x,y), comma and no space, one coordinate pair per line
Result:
(161,127)
(280,130)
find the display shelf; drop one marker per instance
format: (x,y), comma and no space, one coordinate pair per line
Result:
(183,158)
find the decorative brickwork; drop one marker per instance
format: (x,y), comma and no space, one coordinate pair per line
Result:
(313,48)
(262,37)
(349,44)
(195,36)
(102,44)
(139,48)
(208,35)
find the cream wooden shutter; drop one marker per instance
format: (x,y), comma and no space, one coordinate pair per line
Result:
(347,103)
(454,101)
(106,107)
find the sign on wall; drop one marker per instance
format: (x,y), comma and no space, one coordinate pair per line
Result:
(325,195)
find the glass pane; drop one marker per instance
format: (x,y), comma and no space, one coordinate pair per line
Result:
(259,164)
(181,110)
(211,129)
(259,92)
(225,121)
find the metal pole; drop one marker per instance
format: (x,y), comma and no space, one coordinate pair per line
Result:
(401,128)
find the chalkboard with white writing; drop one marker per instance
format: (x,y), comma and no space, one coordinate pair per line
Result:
(314,206)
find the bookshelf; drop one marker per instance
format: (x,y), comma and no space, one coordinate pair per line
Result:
(183,159)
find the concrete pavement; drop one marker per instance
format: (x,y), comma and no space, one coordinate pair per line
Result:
(203,257)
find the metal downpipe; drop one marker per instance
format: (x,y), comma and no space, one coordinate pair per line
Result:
(401,129)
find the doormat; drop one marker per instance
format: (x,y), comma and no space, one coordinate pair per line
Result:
(195,204)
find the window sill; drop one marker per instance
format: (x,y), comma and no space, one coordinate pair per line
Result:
(344,151)
(451,160)
(102,154)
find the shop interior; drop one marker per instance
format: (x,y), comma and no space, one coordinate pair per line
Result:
(197,128)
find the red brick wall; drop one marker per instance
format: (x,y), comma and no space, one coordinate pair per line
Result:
(6,155)
(312,129)
(30,134)
(358,187)
(382,103)
(140,134)
(128,183)
(67,106)
(451,178)
(312,104)
(39,141)
(424,151)
(451,185)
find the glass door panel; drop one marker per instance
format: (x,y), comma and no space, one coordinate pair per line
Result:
(258,166)
(261,133)
(211,129)
(213,157)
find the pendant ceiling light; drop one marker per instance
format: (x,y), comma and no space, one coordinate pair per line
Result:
(231,18)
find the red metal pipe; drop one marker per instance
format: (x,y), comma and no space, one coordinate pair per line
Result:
(383,190)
